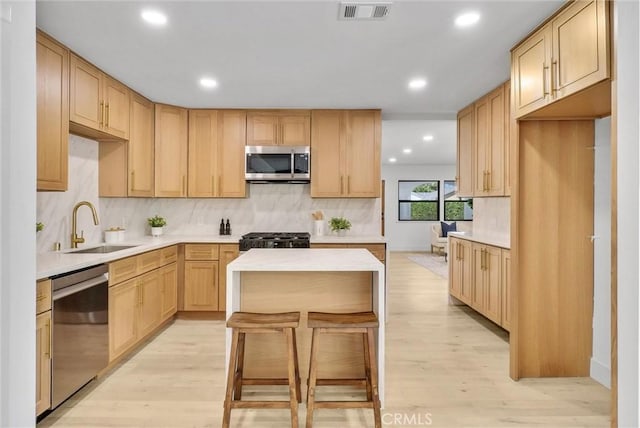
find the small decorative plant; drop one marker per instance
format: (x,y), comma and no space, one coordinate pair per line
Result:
(39,226)
(157,221)
(339,223)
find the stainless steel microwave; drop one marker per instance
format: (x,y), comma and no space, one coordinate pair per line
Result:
(277,163)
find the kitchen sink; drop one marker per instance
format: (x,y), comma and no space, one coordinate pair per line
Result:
(102,249)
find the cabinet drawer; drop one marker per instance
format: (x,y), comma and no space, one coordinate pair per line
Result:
(148,261)
(168,255)
(43,296)
(201,251)
(123,269)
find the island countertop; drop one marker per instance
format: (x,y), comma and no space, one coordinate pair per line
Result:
(306,259)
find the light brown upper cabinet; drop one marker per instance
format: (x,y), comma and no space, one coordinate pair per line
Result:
(98,104)
(488,147)
(141,147)
(216,153)
(345,153)
(510,131)
(464,164)
(171,130)
(567,55)
(287,128)
(52,75)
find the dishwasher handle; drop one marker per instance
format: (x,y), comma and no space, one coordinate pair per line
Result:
(76,288)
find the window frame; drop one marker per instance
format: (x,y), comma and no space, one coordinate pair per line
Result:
(460,199)
(436,201)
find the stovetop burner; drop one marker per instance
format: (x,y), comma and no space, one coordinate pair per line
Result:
(275,240)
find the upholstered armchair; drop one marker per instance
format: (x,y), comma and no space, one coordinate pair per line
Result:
(438,241)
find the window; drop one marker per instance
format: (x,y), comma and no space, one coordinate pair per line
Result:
(456,208)
(419,200)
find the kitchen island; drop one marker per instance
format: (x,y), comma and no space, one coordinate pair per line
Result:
(325,280)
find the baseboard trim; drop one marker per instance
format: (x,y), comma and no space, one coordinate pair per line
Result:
(600,373)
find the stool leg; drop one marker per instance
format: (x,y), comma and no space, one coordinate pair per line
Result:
(311,389)
(367,367)
(237,381)
(374,377)
(292,377)
(295,354)
(233,356)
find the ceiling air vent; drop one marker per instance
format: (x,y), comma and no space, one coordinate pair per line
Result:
(352,11)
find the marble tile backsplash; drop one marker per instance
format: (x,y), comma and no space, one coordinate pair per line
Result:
(269,208)
(491,216)
(54,209)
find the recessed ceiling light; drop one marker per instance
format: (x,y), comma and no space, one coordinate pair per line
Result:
(392,160)
(406,151)
(208,83)
(154,17)
(418,83)
(428,138)
(467,19)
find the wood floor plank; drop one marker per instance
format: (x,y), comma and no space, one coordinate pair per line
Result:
(445,365)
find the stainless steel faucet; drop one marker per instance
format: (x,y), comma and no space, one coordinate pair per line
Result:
(75,239)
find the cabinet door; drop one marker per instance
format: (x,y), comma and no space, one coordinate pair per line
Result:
(466,277)
(477,277)
(262,129)
(580,46)
(228,253)
(481,146)
(506,290)
(141,147)
(327,178)
(294,130)
(201,286)
(116,108)
(362,154)
(232,128)
(495,148)
(85,94)
(52,75)
(123,309)
(150,303)
(455,282)
(203,156)
(493,284)
(509,133)
(530,68)
(170,151)
(43,362)
(169,287)
(464,164)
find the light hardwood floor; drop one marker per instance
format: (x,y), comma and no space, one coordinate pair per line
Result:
(445,365)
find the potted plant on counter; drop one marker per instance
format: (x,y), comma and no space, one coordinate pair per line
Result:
(157,224)
(340,225)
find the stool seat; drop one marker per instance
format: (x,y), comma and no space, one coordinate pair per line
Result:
(350,320)
(260,320)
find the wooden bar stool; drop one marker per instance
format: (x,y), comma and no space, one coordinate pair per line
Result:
(363,323)
(242,323)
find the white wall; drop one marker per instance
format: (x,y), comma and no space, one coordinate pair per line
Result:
(17,214)
(626,23)
(601,353)
(410,235)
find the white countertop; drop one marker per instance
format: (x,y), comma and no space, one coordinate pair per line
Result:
(57,262)
(496,241)
(306,259)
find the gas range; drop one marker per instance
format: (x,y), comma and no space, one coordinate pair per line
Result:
(274,240)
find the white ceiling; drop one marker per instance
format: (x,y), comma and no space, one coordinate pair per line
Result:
(297,54)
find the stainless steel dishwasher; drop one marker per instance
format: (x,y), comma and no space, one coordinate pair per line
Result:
(80,334)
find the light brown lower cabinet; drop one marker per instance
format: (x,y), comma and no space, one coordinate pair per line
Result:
(145,297)
(479,277)
(205,276)
(43,362)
